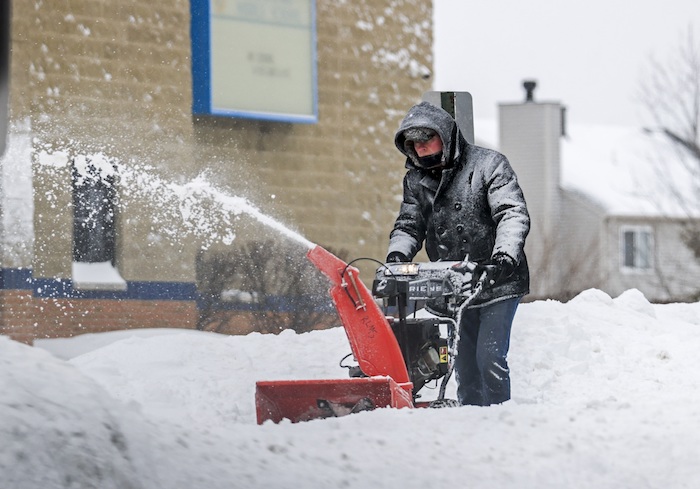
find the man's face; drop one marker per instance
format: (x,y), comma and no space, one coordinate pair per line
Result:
(430,147)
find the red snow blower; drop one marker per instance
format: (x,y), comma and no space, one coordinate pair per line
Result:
(396,355)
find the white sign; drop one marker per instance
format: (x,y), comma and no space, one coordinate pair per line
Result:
(263,58)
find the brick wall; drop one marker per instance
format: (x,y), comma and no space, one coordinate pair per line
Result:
(69,317)
(114,76)
(17,315)
(24,317)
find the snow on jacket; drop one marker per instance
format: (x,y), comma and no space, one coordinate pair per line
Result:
(474,207)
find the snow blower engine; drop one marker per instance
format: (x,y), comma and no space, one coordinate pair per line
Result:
(397,352)
(425,346)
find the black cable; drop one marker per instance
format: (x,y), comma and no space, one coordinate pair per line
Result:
(343,359)
(342,274)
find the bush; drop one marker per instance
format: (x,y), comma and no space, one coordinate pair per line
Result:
(269,285)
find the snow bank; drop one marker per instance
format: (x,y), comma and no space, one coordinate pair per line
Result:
(59,429)
(605,395)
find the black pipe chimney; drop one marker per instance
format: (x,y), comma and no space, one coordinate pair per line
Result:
(529,86)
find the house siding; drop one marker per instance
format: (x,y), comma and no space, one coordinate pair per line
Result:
(583,239)
(675,274)
(529,137)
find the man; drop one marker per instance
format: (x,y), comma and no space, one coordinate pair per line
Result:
(464,202)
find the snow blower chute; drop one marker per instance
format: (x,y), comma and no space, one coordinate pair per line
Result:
(396,356)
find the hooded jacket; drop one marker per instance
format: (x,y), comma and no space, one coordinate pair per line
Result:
(473,208)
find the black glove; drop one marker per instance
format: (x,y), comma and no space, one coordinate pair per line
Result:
(396,257)
(499,268)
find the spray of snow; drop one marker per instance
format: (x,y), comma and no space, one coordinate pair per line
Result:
(202,189)
(196,206)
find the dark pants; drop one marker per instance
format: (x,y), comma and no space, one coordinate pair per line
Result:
(480,367)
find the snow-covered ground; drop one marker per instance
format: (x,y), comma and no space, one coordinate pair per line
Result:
(606,394)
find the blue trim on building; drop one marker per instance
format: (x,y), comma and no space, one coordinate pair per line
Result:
(16,278)
(265,116)
(201,49)
(314,55)
(51,288)
(22,279)
(142,291)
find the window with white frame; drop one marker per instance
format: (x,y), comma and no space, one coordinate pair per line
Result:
(637,248)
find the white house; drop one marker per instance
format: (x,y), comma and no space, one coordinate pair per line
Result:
(609,204)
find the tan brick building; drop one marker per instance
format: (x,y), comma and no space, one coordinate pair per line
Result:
(114,78)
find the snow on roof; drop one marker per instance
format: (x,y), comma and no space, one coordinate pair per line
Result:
(628,171)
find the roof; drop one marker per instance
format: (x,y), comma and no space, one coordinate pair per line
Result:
(630,171)
(627,171)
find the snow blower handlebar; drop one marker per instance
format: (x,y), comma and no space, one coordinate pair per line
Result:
(450,281)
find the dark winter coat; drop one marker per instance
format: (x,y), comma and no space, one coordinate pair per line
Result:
(473,208)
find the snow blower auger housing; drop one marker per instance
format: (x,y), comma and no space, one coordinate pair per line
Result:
(396,355)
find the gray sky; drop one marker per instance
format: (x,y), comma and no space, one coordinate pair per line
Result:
(589,55)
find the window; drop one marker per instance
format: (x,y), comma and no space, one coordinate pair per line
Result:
(254,59)
(637,248)
(94,225)
(93,215)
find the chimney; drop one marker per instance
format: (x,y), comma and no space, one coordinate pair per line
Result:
(530,137)
(529,86)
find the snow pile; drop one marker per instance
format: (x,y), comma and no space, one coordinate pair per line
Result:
(59,429)
(605,395)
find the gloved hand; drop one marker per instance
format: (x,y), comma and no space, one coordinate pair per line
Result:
(396,257)
(499,268)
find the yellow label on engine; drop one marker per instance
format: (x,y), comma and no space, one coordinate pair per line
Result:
(443,354)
